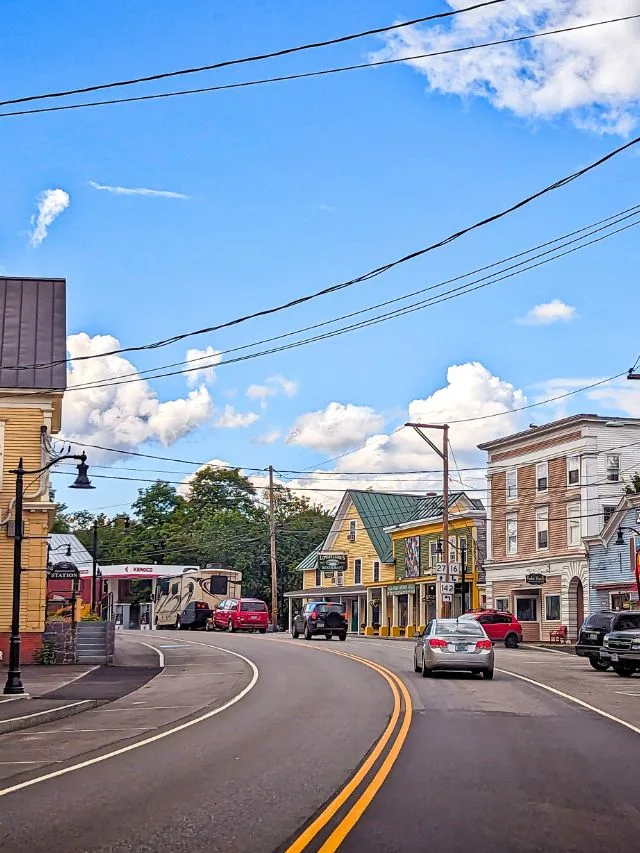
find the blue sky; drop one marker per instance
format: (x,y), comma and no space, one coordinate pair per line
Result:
(293,187)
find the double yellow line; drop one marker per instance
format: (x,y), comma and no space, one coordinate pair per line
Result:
(372,787)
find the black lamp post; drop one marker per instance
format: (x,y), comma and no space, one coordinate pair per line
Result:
(14,676)
(620,537)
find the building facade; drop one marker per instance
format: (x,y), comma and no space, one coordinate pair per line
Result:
(614,559)
(418,548)
(356,558)
(549,487)
(33,333)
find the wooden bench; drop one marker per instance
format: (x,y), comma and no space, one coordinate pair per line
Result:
(559,635)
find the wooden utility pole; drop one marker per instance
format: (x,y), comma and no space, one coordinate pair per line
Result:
(274,559)
(443,607)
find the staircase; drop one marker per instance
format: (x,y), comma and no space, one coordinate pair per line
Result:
(92,643)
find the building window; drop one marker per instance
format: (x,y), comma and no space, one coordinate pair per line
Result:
(620,600)
(527,609)
(607,512)
(318,577)
(352,530)
(542,477)
(340,578)
(613,469)
(542,529)
(512,535)
(502,604)
(573,525)
(512,484)
(434,557)
(573,471)
(552,608)
(357,571)
(453,550)
(376,572)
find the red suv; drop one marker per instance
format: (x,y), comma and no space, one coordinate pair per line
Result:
(501,627)
(240,614)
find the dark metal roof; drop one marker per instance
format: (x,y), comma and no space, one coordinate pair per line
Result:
(431,506)
(33,330)
(378,510)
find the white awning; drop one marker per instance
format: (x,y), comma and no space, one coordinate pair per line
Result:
(137,570)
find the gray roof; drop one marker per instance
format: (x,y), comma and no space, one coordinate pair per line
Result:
(79,554)
(33,331)
(431,505)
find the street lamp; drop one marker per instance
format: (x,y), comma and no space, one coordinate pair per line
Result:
(620,537)
(13,685)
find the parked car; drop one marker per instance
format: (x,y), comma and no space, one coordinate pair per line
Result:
(500,626)
(455,645)
(324,618)
(240,614)
(621,646)
(591,636)
(194,617)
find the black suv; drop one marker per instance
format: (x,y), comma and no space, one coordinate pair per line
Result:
(591,637)
(621,647)
(320,617)
(194,617)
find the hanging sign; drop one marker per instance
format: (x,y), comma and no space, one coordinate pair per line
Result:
(535,579)
(63,572)
(332,562)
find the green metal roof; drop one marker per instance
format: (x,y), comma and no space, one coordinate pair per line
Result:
(431,505)
(378,510)
(310,561)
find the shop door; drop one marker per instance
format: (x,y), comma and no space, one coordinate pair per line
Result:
(403,608)
(354,616)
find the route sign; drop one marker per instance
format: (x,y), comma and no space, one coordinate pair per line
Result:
(441,578)
(447,588)
(454,568)
(447,598)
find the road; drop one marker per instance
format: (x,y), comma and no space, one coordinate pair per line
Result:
(228,753)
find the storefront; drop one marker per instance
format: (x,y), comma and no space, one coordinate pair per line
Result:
(353,598)
(128,593)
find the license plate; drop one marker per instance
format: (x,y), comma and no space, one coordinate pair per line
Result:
(461,647)
(615,658)
(253,617)
(592,636)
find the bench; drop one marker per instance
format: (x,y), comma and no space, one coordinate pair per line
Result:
(559,635)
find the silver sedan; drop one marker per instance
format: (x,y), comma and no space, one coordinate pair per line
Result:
(452,644)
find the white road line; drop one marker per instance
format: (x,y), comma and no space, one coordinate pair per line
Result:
(48,711)
(14,698)
(157,651)
(145,708)
(130,747)
(83,731)
(573,699)
(42,761)
(625,693)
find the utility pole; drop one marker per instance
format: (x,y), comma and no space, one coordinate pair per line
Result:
(441,606)
(274,560)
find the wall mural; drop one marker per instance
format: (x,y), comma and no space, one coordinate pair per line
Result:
(412,557)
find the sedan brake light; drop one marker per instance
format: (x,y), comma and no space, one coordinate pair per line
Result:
(437,643)
(483,644)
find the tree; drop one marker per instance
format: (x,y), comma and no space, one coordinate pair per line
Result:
(219,489)
(633,488)
(157,504)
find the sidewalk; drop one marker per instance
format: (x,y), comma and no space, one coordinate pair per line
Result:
(53,692)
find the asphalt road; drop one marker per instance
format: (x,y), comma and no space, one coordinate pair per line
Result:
(502,765)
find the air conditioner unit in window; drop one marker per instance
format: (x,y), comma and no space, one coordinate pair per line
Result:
(351,537)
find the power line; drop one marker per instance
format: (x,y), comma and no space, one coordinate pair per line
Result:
(373,273)
(307,74)
(453,293)
(593,228)
(246,59)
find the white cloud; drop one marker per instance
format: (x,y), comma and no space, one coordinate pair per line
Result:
(593,75)
(471,392)
(138,191)
(335,428)
(273,386)
(547,313)
(232,419)
(51,203)
(268,437)
(204,360)
(127,415)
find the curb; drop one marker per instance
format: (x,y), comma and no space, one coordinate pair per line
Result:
(39,718)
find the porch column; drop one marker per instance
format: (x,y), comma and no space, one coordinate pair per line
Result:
(383,630)
(369,615)
(411,614)
(395,617)
(422,592)
(290,614)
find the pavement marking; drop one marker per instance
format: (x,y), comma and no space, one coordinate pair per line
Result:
(130,747)
(157,651)
(144,708)
(83,731)
(42,761)
(48,711)
(625,693)
(356,811)
(573,699)
(14,698)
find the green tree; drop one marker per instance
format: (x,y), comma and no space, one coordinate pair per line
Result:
(219,489)
(633,488)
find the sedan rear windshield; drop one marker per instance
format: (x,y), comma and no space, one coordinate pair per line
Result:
(468,628)
(253,606)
